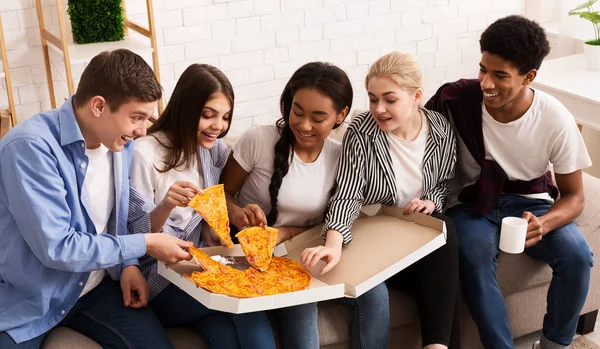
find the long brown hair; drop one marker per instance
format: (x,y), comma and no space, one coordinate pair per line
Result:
(179,121)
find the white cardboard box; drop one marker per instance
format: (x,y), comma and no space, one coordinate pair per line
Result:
(384,243)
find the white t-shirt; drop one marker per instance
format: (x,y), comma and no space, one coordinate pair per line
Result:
(305,189)
(99,190)
(148,155)
(545,137)
(407,160)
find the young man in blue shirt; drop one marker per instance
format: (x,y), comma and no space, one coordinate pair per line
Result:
(66,258)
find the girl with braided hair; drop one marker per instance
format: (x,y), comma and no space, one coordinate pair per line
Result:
(287,171)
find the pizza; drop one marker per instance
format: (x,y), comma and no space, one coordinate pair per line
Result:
(211,205)
(284,275)
(207,263)
(258,244)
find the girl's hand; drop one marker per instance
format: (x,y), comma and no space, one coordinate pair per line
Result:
(330,253)
(249,216)
(417,205)
(210,237)
(311,256)
(180,194)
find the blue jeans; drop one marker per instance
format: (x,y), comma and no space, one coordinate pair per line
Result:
(101,316)
(174,307)
(564,249)
(298,328)
(370,323)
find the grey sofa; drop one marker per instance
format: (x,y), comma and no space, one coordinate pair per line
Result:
(523,281)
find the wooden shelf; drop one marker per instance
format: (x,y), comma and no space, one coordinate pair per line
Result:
(138,39)
(84,53)
(5,74)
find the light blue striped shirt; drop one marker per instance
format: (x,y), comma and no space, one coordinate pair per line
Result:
(212,162)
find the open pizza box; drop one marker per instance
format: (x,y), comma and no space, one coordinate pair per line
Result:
(384,242)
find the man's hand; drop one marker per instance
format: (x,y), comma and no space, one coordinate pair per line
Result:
(180,194)
(167,248)
(417,205)
(135,288)
(535,229)
(249,216)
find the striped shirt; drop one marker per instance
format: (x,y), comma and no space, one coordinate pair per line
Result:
(365,174)
(212,163)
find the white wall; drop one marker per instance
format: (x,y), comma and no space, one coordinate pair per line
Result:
(259,43)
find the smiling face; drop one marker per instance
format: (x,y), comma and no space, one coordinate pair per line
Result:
(312,117)
(115,128)
(391,106)
(504,88)
(214,119)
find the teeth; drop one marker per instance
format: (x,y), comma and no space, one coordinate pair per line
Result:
(127,138)
(490,94)
(304,134)
(211,135)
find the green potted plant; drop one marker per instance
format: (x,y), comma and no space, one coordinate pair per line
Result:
(591,47)
(96,20)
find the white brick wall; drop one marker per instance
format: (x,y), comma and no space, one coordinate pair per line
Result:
(260,43)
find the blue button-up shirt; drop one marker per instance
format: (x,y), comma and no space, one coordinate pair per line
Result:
(48,243)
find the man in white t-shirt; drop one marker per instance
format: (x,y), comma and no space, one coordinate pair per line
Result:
(510,137)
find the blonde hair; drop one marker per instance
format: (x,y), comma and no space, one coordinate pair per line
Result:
(400,67)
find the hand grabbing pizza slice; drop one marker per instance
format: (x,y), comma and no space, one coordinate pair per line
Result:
(258,244)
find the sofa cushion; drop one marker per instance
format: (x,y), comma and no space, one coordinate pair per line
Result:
(66,338)
(334,317)
(333,320)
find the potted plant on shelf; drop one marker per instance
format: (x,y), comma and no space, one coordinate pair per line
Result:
(591,47)
(96,21)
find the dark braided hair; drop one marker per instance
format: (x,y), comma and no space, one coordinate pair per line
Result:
(328,80)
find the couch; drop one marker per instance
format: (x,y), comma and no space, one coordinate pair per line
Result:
(523,282)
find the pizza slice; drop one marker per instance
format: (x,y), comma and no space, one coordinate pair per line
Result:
(211,205)
(258,244)
(208,263)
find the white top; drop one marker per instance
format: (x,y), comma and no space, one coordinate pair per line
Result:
(99,188)
(148,155)
(305,189)
(407,160)
(545,137)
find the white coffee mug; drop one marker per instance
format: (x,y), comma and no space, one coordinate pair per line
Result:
(513,234)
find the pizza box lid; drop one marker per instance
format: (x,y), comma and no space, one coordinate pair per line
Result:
(384,242)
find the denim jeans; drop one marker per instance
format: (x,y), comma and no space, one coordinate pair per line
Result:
(298,328)
(564,249)
(101,316)
(370,322)
(174,307)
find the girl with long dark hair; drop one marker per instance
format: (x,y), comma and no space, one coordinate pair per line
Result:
(287,171)
(183,153)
